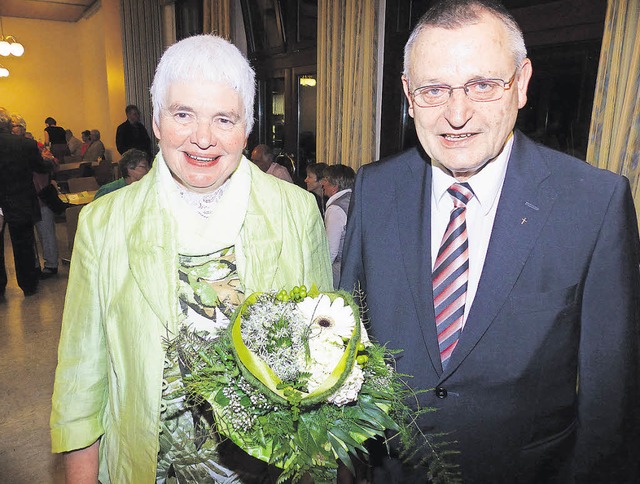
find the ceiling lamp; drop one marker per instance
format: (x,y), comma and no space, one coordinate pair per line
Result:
(10,46)
(307,81)
(4,72)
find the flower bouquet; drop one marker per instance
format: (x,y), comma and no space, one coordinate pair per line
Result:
(296,382)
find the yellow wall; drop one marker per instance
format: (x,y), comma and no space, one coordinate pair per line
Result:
(72,72)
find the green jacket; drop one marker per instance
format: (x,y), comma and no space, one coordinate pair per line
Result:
(122,301)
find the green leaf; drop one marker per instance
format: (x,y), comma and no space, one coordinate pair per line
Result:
(221,399)
(344,437)
(341,452)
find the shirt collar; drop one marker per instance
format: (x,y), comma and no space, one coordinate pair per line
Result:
(486,184)
(337,195)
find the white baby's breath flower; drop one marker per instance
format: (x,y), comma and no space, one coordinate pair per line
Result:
(350,389)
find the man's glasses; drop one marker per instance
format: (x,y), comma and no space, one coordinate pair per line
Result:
(480,90)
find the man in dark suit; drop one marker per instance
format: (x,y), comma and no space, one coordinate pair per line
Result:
(19,158)
(523,317)
(132,133)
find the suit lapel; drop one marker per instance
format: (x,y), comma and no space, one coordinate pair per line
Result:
(414,229)
(524,206)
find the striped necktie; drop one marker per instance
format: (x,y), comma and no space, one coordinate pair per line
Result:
(451,273)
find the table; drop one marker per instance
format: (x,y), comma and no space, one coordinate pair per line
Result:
(78,198)
(74,166)
(72,170)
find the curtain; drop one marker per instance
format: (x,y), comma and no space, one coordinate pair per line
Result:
(347,81)
(216,17)
(142,46)
(614,139)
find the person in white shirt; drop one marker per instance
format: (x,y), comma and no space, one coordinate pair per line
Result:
(336,185)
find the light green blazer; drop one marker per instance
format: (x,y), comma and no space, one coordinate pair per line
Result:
(122,301)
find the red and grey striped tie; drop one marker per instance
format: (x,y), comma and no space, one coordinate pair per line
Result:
(451,273)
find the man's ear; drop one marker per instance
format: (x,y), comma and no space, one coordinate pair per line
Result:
(405,88)
(523,82)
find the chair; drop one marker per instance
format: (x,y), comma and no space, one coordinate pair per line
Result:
(81,184)
(86,169)
(72,214)
(103,172)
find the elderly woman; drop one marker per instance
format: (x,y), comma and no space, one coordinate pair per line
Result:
(133,166)
(202,210)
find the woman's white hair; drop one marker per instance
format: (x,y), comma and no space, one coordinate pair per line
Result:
(204,57)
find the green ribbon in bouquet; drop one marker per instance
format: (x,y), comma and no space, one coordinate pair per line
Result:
(258,373)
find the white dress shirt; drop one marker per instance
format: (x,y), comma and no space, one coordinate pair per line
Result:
(480,214)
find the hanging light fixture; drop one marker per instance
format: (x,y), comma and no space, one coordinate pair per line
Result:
(4,72)
(9,44)
(308,81)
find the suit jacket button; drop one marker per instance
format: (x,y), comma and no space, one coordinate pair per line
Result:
(441,392)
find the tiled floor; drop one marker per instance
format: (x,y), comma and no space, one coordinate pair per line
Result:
(29,332)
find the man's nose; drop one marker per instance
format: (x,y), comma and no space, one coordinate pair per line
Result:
(459,108)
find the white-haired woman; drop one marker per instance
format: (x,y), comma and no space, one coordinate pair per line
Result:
(129,295)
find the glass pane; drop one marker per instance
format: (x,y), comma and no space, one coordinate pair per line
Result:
(307,20)
(275,107)
(307,92)
(266,25)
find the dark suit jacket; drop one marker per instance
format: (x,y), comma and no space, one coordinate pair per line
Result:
(543,384)
(19,158)
(132,136)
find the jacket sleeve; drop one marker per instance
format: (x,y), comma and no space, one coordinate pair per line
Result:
(36,162)
(317,264)
(80,388)
(121,143)
(608,411)
(352,270)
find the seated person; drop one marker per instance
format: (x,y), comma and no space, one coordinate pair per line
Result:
(74,144)
(96,150)
(86,141)
(133,166)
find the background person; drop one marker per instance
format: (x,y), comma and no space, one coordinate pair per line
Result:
(95,151)
(313,180)
(86,141)
(133,166)
(74,144)
(55,139)
(132,133)
(19,158)
(337,183)
(130,290)
(46,226)
(524,321)
(264,158)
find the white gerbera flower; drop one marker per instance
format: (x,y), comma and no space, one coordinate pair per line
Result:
(327,319)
